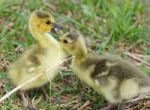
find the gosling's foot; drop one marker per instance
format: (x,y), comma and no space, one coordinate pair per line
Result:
(27,103)
(45,95)
(121,106)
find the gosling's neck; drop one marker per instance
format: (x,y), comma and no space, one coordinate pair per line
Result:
(80,55)
(43,39)
(40,37)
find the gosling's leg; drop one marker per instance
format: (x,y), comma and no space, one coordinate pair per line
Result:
(45,95)
(121,106)
(26,101)
(42,91)
(109,107)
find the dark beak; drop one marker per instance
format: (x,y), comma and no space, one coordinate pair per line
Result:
(56,27)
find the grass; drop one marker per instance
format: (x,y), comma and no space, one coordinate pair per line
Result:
(114,26)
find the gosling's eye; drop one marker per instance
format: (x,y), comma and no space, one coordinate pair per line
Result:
(65,41)
(48,22)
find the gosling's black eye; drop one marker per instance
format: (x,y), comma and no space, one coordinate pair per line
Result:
(48,22)
(65,41)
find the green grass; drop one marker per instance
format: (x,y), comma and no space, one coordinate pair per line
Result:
(113,23)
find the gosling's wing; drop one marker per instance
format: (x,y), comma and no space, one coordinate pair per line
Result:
(33,63)
(102,64)
(29,61)
(34,59)
(120,70)
(100,69)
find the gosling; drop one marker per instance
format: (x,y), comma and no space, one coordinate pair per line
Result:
(115,78)
(44,54)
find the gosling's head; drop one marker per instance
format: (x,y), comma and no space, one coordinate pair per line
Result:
(41,21)
(73,43)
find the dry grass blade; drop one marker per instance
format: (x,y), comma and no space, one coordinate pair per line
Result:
(141,102)
(133,56)
(3,62)
(46,2)
(87,103)
(141,97)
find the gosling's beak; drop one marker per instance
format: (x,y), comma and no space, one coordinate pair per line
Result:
(56,27)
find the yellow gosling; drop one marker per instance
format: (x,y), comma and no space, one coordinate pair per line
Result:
(115,78)
(44,54)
